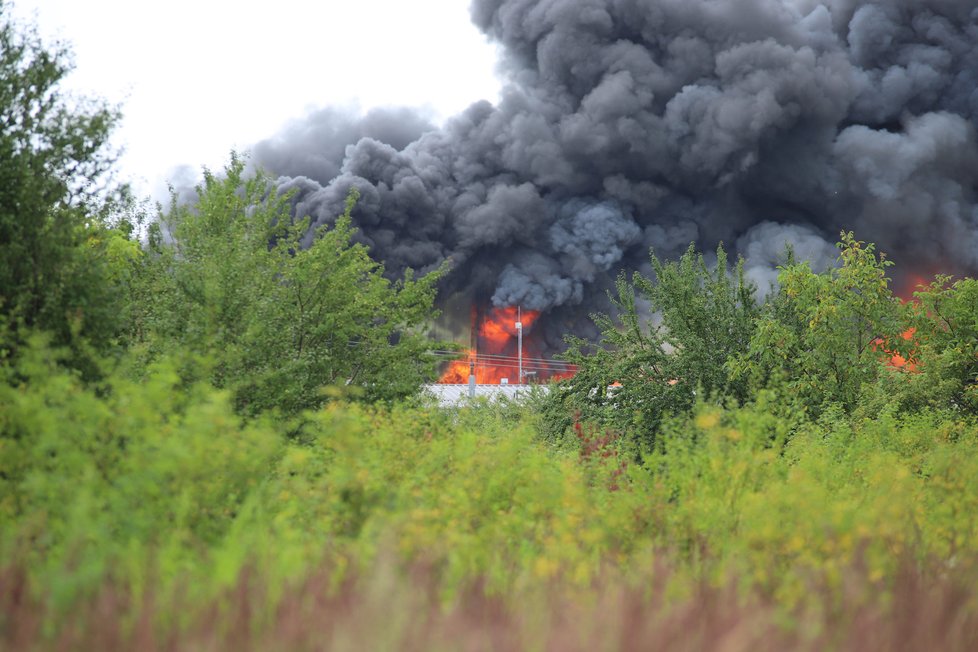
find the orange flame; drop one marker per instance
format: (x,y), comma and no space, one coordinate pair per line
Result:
(495,356)
(912,283)
(897,361)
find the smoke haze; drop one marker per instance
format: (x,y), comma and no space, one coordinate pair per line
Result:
(626,125)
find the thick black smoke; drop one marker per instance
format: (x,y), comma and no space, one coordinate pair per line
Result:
(627,125)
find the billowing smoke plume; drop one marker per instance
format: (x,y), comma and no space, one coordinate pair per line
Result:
(627,125)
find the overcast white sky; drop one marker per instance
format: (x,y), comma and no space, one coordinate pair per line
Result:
(198,77)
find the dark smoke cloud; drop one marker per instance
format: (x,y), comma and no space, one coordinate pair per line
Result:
(316,146)
(626,125)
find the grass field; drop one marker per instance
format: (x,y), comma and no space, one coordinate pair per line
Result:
(169,525)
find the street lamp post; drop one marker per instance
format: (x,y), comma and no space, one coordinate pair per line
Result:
(519,342)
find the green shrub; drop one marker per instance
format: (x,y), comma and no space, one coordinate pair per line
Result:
(155,471)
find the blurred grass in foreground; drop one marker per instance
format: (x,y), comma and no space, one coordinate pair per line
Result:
(149,515)
(388,610)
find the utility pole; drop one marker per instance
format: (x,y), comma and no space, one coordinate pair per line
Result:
(474,348)
(519,342)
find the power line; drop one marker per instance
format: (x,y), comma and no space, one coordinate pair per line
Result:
(511,365)
(493,359)
(536,366)
(497,356)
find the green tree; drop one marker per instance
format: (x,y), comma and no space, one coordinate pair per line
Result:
(942,338)
(823,337)
(229,281)
(647,367)
(945,319)
(56,272)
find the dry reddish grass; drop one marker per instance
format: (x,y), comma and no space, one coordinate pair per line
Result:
(391,611)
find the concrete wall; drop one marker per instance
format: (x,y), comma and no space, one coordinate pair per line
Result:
(451,395)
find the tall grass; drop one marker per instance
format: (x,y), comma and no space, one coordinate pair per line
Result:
(149,516)
(388,609)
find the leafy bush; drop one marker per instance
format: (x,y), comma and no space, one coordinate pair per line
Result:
(125,473)
(876,490)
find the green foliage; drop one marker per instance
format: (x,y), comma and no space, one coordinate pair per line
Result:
(159,484)
(823,337)
(945,338)
(777,445)
(94,476)
(56,253)
(879,490)
(837,338)
(701,317)
(472,496)
(274,320)
(940,345)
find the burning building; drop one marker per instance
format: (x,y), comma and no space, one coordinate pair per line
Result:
(502,350)
(630,125)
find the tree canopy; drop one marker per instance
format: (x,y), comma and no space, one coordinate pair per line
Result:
(838,341)
(56,267)
(823,338)
(649,367)
(230,286)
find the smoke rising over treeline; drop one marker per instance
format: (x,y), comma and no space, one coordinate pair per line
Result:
(626,125)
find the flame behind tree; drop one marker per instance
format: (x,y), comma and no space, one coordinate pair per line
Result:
(820,340)
(944,315)
(905,356)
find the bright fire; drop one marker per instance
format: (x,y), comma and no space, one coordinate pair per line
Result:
(897,361)
(495,354)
